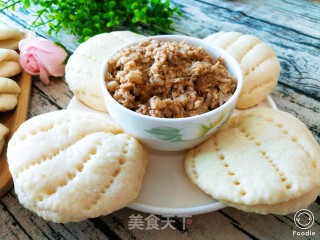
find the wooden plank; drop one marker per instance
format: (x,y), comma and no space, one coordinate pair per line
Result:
(197,229)
(28,225)
(10,228)
(272,226)
(306,109)
(294,14)
(12,120)
(54,97)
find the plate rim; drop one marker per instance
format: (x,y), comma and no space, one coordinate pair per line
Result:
(176,211)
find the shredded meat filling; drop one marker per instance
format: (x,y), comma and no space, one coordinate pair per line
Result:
(168,79)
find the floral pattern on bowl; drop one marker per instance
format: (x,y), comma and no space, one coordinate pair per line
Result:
(190,131)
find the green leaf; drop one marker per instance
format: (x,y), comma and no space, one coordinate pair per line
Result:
(96,18)
(111,14)
(65,61)
(60,45)
(86,38)
(112,4)
(134,5)
(203,130)
(166,133)
(109,24)
(26,3)
(43,4)
(87,31)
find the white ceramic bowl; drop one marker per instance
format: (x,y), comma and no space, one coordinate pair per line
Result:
(173,134)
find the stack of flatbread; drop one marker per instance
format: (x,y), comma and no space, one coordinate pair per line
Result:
(9,67)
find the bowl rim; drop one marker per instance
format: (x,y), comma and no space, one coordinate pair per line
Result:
(200,42)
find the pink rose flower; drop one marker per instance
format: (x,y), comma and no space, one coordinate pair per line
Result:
(42,57)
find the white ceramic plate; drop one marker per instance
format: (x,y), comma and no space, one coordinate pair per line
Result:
(166,188)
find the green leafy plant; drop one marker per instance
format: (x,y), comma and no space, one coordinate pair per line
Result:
(86,18)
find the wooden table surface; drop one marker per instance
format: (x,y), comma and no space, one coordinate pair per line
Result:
(293,30)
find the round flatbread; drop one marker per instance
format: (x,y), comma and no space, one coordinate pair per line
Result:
(83,67)
(68,166)
(263,156)
(10,37)
(8,101)
(258,61)
(9,63)
(3,133)
(9,93)
(7,85)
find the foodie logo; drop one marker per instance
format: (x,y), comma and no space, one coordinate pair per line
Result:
(304,219)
